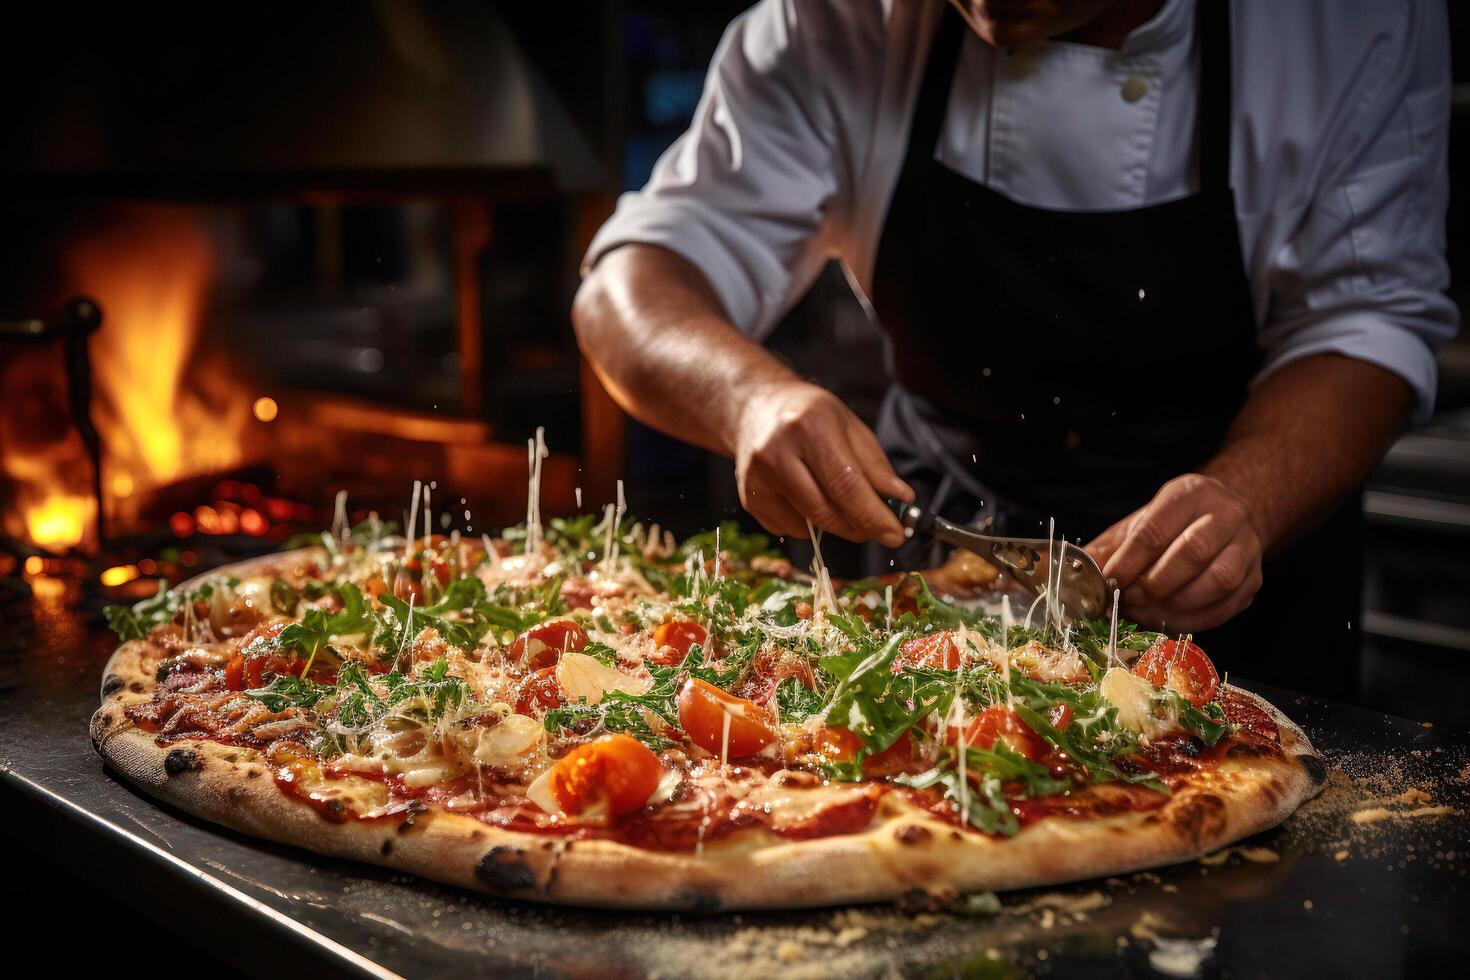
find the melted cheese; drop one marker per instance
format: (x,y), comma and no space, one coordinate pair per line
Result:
(1140,706)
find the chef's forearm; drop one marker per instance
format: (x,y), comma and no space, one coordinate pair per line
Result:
(658,337)
(1309,434)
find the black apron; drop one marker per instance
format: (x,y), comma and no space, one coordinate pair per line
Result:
(1066,364)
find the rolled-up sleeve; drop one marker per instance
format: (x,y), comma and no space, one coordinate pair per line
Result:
(1364,275)
(744,193)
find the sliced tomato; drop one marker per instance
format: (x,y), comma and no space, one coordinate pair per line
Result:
(1180,666)
(539,689)
(837,744)
(937,650)
(704,711)
(674,638)
(543,644)
(843,745)
(615,772)
(999,723)
(235,673)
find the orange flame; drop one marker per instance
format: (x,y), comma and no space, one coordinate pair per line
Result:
(163,412)
(44,465)
(165,409)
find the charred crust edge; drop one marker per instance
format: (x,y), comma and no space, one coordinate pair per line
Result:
(504,869)
(181,761)
(1315,768)
(111,684)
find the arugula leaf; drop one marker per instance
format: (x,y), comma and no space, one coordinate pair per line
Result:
(1208,723)
(135,622)
(460,594)
(358,705)
(875,703)
(795,701)
(370,532)
(394,636)
(289,691)
(618,715)
(777,600)
(435,685)
(985,804)
(600,652)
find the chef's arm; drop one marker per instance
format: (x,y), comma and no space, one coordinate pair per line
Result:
(1308,435)
(659,339)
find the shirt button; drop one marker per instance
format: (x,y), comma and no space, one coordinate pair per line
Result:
(1135,87)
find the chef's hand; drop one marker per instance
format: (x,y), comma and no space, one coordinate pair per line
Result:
(1188,560)
(801,454)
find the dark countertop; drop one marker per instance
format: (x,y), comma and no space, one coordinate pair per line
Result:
(1321,894)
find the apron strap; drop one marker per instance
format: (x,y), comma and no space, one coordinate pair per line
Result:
(933,100)
(1212,21)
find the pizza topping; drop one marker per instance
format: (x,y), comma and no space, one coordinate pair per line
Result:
(534,686)
(611,776)
(539,692)
(543,644)
(721,723)
(1180,666)
(1141,706)
(508,743)
(999,724)
(588,680)
(674,638)
(937,650)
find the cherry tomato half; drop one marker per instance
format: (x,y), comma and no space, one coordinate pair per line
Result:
(998,723)
(703,710)
(543,644)
(837,744)
(614,771)
(674,638)
(842,745)
(1181,666)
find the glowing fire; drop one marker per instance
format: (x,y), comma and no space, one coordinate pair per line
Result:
(165,409)
(44,468)
(163,412)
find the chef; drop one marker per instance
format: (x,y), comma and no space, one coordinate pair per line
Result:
(1169,272)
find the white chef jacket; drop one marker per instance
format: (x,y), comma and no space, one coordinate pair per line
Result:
(1338,156)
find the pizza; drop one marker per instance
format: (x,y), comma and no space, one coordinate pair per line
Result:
(591,712)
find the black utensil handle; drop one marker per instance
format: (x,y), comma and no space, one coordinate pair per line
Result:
(910,516)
